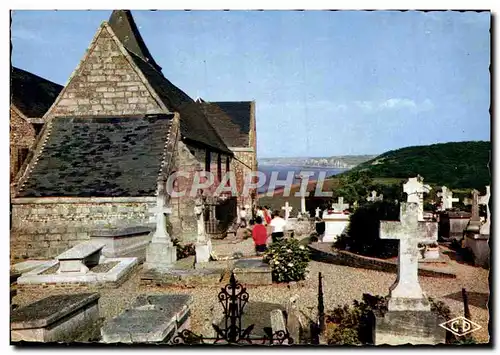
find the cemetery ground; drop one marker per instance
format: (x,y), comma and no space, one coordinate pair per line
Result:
(341,285)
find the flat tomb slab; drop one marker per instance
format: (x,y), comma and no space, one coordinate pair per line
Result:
(81,251)
(55,318)
(252,272)
(183,277)
(124,242)
(42,275)
(152,319)
(28,265)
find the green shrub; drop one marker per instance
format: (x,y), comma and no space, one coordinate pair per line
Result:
(353,324)
(183,251)
(288,260)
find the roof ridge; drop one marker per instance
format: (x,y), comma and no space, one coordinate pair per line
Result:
(123,24)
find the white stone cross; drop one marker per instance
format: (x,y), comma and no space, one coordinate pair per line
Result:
(446,198)
(287,208)
(373,197)
(340,205)
(415,190)
(161,211)
(406,293)
(304,180)
(317,211)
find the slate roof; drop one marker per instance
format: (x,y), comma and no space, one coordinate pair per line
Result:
(124,27)
(193,122)
(232,120)
(100,156)
(31,94)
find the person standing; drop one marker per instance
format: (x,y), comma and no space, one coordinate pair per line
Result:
(243,217)
(259,235)
(278,227)
(267,216)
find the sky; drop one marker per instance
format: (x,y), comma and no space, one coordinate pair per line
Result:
(325,83)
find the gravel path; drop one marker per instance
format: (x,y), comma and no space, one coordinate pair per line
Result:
(342,284)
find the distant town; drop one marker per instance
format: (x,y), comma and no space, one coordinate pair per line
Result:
(341,161)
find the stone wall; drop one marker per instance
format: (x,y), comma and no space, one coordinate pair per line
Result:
(44,230)
(105,84)
(22,136)
(242,165)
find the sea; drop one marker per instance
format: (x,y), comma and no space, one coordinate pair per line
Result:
(283,171)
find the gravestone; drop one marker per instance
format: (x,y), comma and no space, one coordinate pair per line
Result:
(252,272)
(477,233)
(59,318)
(80,258)
(340,206)
(303,190)
(130,241)
(287,208)
(152,319)
(447,199)
(203,244)
(161,252)
(415,190)
(408,319)
(317,212)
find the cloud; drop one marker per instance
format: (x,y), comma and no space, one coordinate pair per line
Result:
(394,104)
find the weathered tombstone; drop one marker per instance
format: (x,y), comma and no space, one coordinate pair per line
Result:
(130,241)
(55,318)
(415,190)
(203,244)
(80,258)
(161,252)
(304,175)
(287,208)
(447,198)
(477,234)
(340,206)
(409,319)
(152,319)
(317,212)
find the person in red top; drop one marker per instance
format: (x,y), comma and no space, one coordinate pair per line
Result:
(259,235)
(267,216)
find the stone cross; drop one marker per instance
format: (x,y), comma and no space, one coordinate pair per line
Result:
(317,211)
(374,197)
(340,205)
(415,190)
(161,211)
(447,198)
(287,208)
(199,208)
(303,189)
(406,293)
(475,206)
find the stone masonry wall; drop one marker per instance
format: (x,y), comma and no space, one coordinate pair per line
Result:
(183,220)
(105,84)
(22,135)
(44,230)
(241,170)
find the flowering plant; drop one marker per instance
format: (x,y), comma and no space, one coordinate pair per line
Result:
(288,260)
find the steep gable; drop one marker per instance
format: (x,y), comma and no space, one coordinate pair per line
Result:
(106,83)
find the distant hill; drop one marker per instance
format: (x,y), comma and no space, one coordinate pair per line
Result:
(456,164)
(341,161)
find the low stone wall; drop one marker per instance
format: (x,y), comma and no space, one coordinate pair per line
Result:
(324,253)
(43,228)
